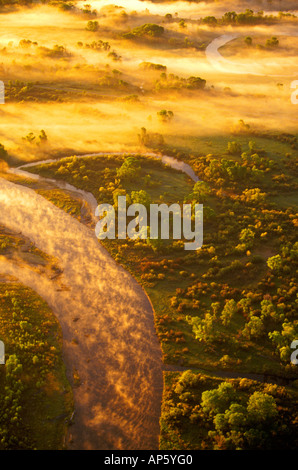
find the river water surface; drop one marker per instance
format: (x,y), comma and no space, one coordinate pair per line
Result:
(109,339)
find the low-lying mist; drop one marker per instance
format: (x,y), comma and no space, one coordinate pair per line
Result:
(195,10)
(89,100)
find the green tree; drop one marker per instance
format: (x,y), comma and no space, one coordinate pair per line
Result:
(275,263)
(200,192)
(129,170)
(262,407)
(141,197)
(253,195)
(218,400)
(234,148)
(204,328)
(228,312)
(254,328)
(247,237)
(268,310)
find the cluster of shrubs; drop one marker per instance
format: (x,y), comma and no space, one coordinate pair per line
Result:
(203,413)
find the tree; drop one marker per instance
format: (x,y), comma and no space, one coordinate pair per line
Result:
(261,407)
(282,339)
(42,136)
(228,312)
(114,56)
(211,20)
(275,263)
(200,192)
(248,41)
(152,66)
(141,197)
(218,400)
(29,138)
(253,195)
(153,140)
(268,310)
(236,416)
(92,26)
(165,116)
(3,152)
(196,83)
(254,328)
(273,42)
(120,192)
(25,43)
(129,170)
(234,148)
(233,419)
(204,329)
(148,29)
(246,237)
(143,136)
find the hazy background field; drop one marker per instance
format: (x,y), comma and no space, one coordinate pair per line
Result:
(79,112)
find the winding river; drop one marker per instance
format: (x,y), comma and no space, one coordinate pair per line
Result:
(224,65)
(109,339)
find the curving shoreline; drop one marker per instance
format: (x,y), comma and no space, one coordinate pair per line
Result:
(224,65)
(166,160)
(109,338)
(150,375)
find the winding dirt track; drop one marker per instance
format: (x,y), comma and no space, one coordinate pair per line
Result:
(224,65)
(116,351)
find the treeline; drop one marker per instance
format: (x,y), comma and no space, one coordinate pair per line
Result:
(146,30)
(15,2)
(245,169)
(249,17)
(151,32)
(174,82)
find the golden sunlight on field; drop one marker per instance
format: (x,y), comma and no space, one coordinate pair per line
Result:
(97,100)
(179,103)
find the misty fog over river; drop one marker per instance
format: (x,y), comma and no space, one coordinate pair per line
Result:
(116,352)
